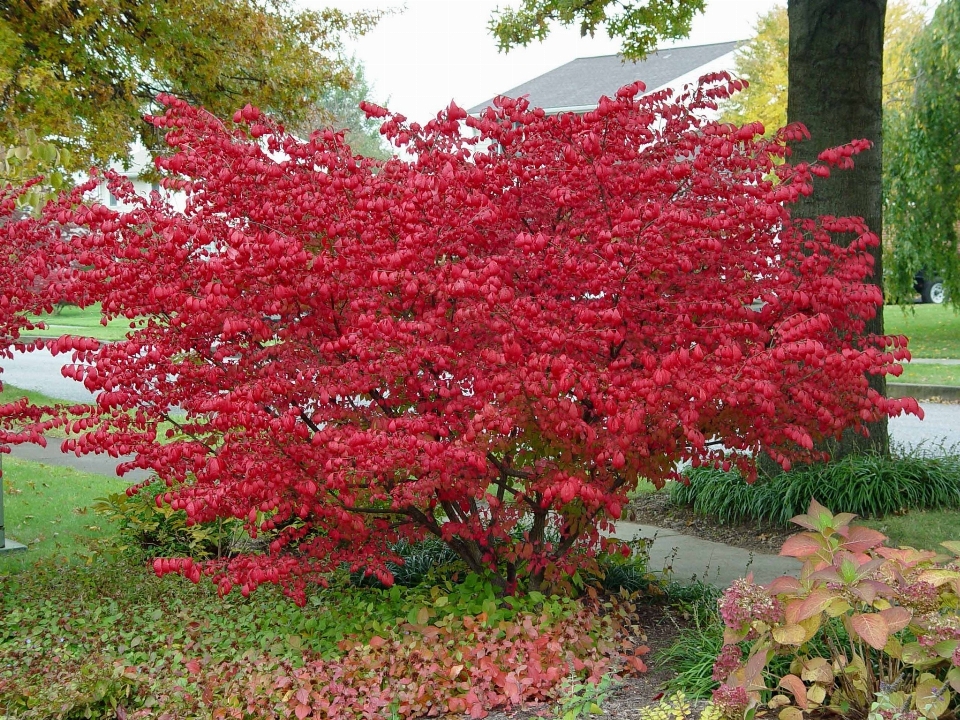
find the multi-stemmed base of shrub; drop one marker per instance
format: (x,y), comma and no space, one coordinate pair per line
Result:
(866,485)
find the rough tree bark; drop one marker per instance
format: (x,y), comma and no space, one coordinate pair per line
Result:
(835,81)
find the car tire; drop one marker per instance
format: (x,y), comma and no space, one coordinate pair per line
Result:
(933,292)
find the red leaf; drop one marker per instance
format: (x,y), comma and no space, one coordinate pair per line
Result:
(802,546)
(797,688)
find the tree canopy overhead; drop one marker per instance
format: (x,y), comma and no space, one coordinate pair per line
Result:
(641,25)
(83,72)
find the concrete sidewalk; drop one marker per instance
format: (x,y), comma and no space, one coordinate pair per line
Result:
(691,558)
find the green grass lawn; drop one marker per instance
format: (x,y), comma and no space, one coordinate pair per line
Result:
(919,529)
(47,508)
(928,375)
(11,393)
(933,330)
(71,320)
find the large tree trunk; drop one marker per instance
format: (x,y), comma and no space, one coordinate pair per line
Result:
(835,82)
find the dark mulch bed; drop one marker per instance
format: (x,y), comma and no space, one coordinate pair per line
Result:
(656,509)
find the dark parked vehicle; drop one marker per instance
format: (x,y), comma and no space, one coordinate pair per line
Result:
(931,290)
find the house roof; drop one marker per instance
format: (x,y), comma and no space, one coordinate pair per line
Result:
(580,83)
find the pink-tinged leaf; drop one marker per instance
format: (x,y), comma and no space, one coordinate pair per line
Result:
(908,557)
(820,516)
(858,539)
(302,711)
(814,604)
(842,520)
(791,610)
(753,670)
(897,618)
(782,585)
(477,711)
(802,546)
(938,576)
(797,688)
(865,591)
(872,628)
(303,696)
(826,575)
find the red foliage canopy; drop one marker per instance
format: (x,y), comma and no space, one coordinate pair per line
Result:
(491,342)
(24,267)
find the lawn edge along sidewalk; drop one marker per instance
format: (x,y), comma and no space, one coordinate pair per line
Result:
(949,393)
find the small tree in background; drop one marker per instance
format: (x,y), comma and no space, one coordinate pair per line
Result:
(83,74)
(491,343)
(339,108)
(921,175)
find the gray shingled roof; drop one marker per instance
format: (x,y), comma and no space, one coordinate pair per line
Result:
(581,82)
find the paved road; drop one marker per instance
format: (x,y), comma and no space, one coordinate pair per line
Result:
(40,371)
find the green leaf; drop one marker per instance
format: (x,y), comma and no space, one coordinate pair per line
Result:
(931,698)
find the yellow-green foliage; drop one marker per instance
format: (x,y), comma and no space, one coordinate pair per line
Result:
(677,707)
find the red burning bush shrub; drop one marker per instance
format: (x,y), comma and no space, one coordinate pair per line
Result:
(491,342)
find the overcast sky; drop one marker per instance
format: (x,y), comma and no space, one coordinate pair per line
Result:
(436,51)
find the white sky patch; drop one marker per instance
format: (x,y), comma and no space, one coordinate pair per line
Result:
(436,51)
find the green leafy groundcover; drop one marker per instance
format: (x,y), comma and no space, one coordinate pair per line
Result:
(82,641)
(867,485)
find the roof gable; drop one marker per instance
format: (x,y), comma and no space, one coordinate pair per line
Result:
(581,82)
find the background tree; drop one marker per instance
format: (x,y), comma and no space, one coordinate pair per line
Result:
(763,61)
(83,73)
(922,173)
(34,159)
(834,80)
(339,108)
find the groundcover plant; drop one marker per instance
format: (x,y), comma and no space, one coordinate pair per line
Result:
(491,342)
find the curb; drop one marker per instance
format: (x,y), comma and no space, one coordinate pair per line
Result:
(923,392)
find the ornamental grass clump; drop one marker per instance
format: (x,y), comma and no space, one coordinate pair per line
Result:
(870,631)
(867,485)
